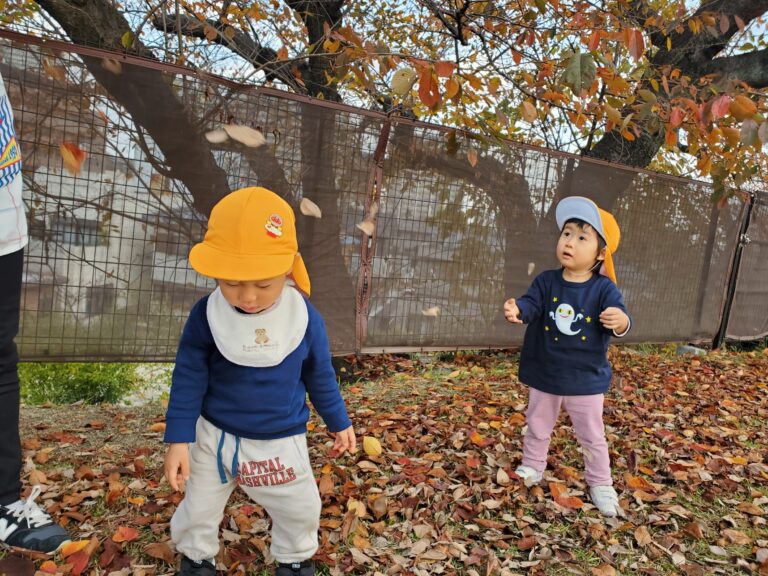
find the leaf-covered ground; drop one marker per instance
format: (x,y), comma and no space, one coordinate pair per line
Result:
(689,445)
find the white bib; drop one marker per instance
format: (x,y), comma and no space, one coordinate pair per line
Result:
(258,340)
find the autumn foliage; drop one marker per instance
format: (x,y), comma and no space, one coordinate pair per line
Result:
(433,489)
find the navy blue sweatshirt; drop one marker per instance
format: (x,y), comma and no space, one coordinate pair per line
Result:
(255,403)
(564,350)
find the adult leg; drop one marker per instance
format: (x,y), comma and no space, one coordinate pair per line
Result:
(10,446)
(541,416)
(586,414)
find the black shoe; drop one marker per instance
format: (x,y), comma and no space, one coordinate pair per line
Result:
(24,524)
(192,568)
(306,568)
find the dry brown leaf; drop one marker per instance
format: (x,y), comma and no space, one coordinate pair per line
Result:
(37,477)
(112,65)
(604,570)
(125,534)
(642,536)
(433,311)
(367,226)
(161,551)
(217,136)
(245,135)
(736,537)
(309,208)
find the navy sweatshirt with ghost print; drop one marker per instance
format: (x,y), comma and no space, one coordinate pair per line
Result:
(565,346)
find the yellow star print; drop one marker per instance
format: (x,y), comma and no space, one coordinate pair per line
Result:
(554,299)
(589,319)
(546,328)
(583,338)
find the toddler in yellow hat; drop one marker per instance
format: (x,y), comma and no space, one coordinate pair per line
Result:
(249,354)
(572,313)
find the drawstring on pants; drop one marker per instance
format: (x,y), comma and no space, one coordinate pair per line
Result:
(220,463)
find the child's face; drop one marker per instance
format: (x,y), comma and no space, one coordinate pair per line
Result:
(253,295)
(578,248)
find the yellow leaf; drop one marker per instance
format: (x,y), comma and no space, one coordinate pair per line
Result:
(127,40)
(451,88)
(371,446)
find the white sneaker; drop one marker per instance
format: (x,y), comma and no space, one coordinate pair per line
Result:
(530,476)
(606,500)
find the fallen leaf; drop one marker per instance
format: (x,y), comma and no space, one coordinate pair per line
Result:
(432,311)
(73,157)
(161,551)
(371,446)
(37,477)
(112,65)
(15,566)
(245,135)
(367,226)
(604,570)
(72,547)
(309,208)
(125,534)
(642,536)
(217,136)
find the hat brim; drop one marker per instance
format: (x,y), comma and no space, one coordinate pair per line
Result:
(214,263)
(581,208)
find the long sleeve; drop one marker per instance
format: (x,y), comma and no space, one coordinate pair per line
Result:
(320,379)
(531,304)
(190,377)
(613,297)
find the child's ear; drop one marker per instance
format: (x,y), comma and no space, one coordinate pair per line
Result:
(601,254)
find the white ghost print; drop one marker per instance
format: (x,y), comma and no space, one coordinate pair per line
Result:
(564,316)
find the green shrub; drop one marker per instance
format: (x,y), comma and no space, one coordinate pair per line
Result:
(65,383)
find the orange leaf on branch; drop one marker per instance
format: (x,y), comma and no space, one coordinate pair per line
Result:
(444,68)
(429,92)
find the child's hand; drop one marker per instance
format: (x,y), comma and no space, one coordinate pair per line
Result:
(345,441)
(177,465)
(512,312)
(614,319)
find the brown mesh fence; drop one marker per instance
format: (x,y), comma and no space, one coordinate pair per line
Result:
(748,318)
(448,240)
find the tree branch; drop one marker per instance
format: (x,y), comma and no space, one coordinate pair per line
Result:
(240,43)
(750,68)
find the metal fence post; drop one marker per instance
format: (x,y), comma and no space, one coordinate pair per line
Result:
(733,278)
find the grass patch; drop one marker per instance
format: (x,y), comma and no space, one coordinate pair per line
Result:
(66,383)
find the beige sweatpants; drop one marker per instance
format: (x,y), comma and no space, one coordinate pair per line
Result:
(276,474)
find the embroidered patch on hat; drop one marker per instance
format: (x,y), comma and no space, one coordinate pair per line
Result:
(274,226)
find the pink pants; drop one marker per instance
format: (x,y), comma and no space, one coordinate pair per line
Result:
(586,414)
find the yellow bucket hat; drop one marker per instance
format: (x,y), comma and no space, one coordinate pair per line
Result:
(251,236)
(603,222)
